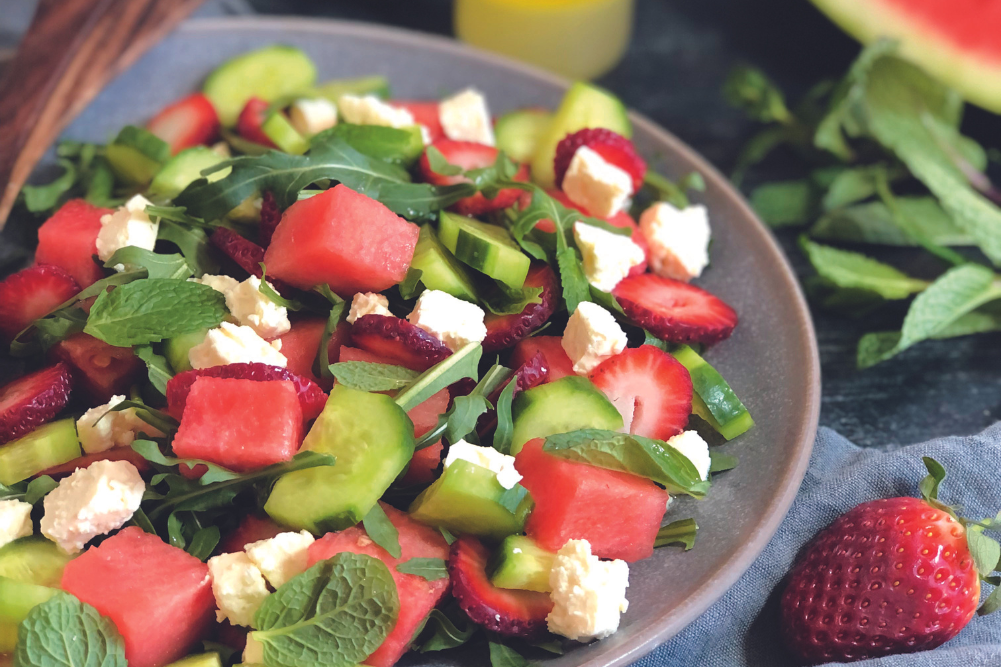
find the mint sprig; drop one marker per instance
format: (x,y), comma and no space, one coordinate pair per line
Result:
(65,632)
(680,532)
(431,569)
(369,376)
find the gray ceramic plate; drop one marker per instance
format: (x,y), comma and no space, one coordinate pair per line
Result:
(771,360)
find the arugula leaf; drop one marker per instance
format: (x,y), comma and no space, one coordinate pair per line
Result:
(446,632)
(874,223)
(394,145)
(30,492)
(382,531)
(157,368)
(851,270)
(463,363)
(338,311)
(368,376)
(150,451)
(45,198)
(161,421)
(439,164)
(720,462)
(204,543)
(785,202)
(674,193)
(193,243)
(449,537)
(431,569)
(677,532)
(505,656)
(467,410)
(267,290)
(512,498)
(43,637)
(166,267)
(502,299)
(336,613)
(411,285)
(504,432)
(150,310)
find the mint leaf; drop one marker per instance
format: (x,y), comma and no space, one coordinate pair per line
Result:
(157,367)
(148,311)
(854,185)
(463,363)
(335,613)
(505,656)
(851,270)
(193,243)
(411,285)
(720,462)
(368,376)
(446,633)
(431,569)
(750,90)
(64,632)
(982,320)
(673,193)
(785,203)
(677,532)
(572,276)
(874,223)
(170,267)
(635,454)
(382,531)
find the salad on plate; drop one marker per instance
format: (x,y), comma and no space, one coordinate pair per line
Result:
(310,375)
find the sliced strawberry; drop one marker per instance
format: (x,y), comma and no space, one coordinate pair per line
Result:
(248,125)
(270,217)
(650,388)
(31,293)
(395,339)
(551,348)
(247,255)
(426,114)
(191,121)
(503,331)
(311,397)
(530,374)
(506,611)
(117,454)
(614,147)
(675,311)
(470,155)
(100,370)
(30,401)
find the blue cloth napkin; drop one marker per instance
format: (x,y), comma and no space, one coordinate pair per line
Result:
(741,629)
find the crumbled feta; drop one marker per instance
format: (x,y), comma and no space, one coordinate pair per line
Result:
(465,117)
(608,257)
(253,652)
(249,306)
(370,110)
(15,521)
(596,184)
(128,226)
(592,335)
(219,283)
(678,239)
(691,444)
(501,465)
(232,344)
(368,303)
(92,501)
(312,116)
(282,557)
(100,430)
(238,586)
(588,594)
(454,321)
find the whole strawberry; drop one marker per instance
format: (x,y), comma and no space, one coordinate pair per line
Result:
(889,576)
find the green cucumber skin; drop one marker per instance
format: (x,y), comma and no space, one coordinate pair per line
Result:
(717,403)
(183,169)
(487,248)
(176,349)
(440,269)
(521,564)
(568,404)
(33,560)
(50,445)
(518,132)
(367,85)
(200,660)
(278,129)
(16,600)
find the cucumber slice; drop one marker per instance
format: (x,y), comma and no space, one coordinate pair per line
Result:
(366,85)
(713,400)
(136,155)
(247,212)
(584,105)
(372,439)
(33,560)
(183,169)
(269,73)
(16,600)
(468,499)
(518,132)
(522,564)
(487,248)
(176,349)
(440,269)
(402,145)
(278,129)
(50,445)
(200,660)
(569,404)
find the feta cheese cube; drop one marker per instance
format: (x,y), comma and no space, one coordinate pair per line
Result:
(238,586)
(282,557)
(691,444)
(370,110)
(248,306)
(100,430)
(678,239)
(592,335)
(454,321)
(501,465)
(92,501)
(596,184)
(253,652)
(128,226)
(465,117)
(588,594)
(15,521)
(368,303)
(221,284)
(608,257)
(232,344)
(312,116)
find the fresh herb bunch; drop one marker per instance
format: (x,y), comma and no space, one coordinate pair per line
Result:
(886,165)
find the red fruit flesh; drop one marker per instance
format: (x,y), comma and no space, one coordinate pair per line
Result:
(530,374)
(470,155)
(889,576)
(650,388)
(251,529)
(188,122)
(426,114)
(506,611)
(249,123)
(301,343)
(551,348)
(503,331)
(423,465)
(311,397)
(118,454)
(398,342)
(69,240)
(675,311)
(99,370)
(30,401)
(615,148)
(270,217)
(30,294)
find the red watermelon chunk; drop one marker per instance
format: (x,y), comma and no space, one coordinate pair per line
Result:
(100,370)
(240,424)
(252,529)
(551,348)
(69,240)
(301,343)
(418,596)
(618,513)
(159,597)
(344,239)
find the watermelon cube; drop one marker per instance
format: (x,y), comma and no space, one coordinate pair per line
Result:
(159,597)
(418,596)
(617,512)
(240,424)
(301,343)
(99,369)
(253,528)
(69,240)
(344,239)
